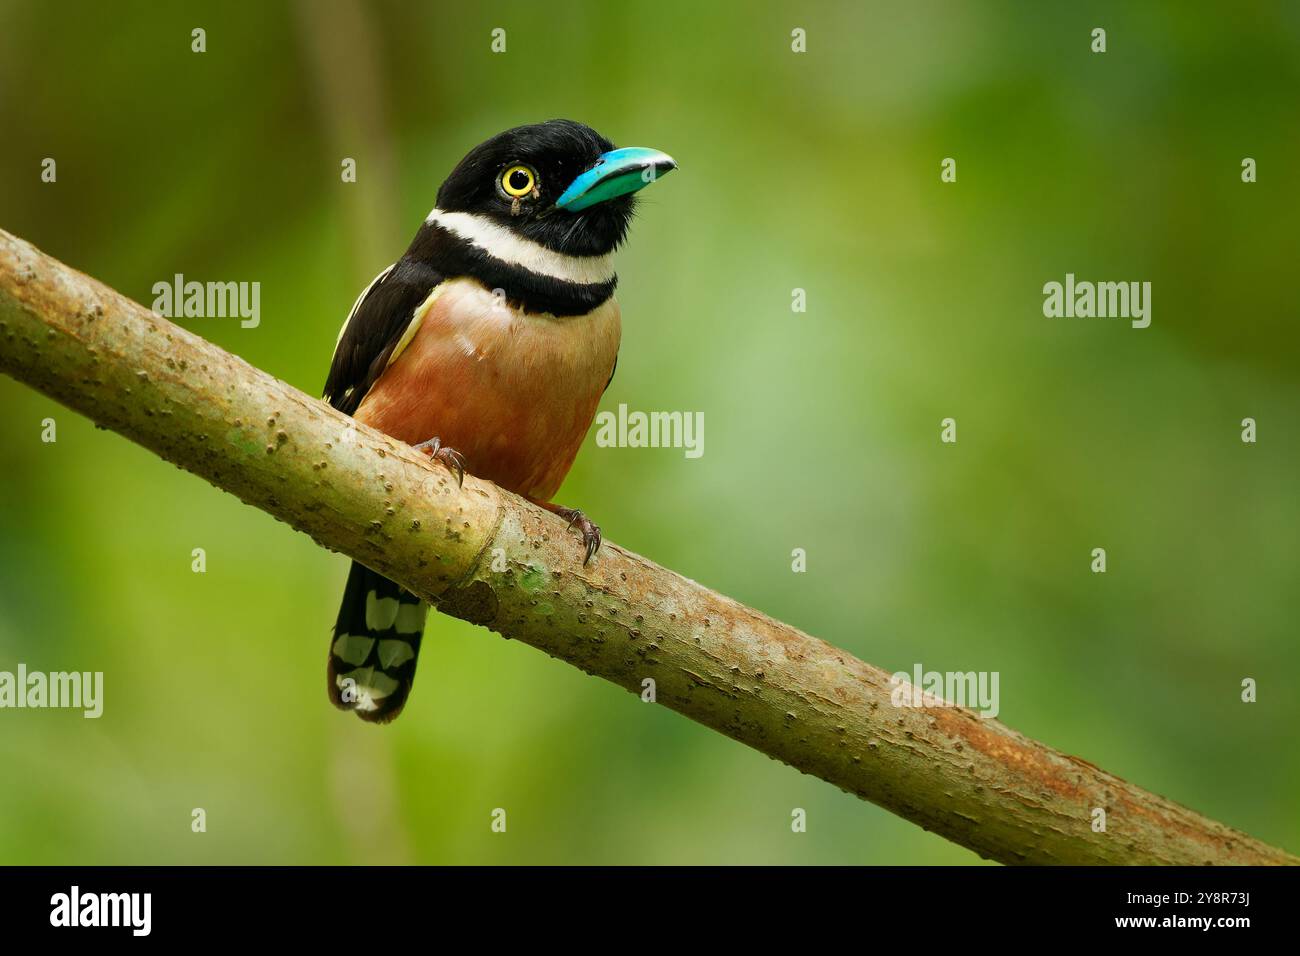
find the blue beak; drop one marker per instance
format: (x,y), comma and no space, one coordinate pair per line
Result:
(617,173)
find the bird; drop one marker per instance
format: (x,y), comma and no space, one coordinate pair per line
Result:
(486,346)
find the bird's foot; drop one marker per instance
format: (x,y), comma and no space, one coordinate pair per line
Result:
(589,529)
(450,457)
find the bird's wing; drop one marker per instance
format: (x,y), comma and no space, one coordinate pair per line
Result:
(377,326)
(611,375)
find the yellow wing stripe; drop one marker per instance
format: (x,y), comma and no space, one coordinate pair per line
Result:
(416,318)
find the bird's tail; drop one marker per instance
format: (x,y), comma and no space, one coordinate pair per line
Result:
(375,646)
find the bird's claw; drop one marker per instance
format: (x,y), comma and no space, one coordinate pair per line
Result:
(590,531)
(450,457)
(591,538)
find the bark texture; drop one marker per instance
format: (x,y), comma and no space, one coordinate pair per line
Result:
(623,618)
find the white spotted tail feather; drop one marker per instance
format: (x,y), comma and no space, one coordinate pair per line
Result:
(375,646)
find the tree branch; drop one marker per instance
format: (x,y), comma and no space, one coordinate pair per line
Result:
(623,618)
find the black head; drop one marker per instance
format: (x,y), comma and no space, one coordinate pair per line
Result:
(516,178)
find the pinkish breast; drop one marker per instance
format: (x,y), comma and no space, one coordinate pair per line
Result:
(513,392)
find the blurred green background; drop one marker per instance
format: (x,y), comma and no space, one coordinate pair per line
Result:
(817,171)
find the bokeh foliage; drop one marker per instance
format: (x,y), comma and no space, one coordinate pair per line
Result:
(818,171)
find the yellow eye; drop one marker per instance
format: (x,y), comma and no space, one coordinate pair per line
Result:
(518,181)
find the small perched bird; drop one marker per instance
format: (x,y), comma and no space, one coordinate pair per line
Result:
(487,346)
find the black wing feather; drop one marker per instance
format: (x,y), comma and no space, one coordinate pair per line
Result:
(375,328)
(611,375)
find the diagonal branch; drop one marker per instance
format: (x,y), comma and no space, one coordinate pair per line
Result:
(623,618)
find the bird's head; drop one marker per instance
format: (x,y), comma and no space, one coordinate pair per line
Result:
(559,184)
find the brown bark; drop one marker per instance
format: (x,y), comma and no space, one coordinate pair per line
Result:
(623,618)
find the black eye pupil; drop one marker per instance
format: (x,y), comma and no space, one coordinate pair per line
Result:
(519,180)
